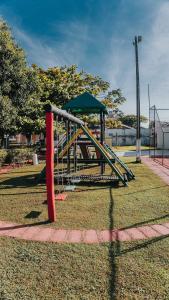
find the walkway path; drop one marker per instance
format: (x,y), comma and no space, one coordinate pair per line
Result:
(158,169)
(38,233)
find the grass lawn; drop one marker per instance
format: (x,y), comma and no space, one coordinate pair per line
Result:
(145,201)
(129,148)
(116,271)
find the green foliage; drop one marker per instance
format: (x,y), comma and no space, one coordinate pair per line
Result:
(19,155)
(95,120)
(113,99)
(113,123)
(131,120)
(17,81)
(7,116)
(31,118)
(60,84)
(3,155)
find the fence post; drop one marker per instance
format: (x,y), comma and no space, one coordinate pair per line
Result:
(163,150)
(50,166)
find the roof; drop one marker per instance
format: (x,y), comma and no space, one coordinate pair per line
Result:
(85,103)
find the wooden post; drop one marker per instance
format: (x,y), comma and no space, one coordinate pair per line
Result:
(50,166)
(102,138)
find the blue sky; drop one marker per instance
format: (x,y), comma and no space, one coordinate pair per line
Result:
(97,36)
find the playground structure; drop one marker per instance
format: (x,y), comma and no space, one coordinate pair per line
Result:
(159,135)
(73,147)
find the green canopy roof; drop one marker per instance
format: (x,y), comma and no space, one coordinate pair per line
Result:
(85,104)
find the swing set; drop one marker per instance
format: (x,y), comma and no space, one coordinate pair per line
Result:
(59,167)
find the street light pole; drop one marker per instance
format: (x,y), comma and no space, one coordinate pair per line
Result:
(137,40)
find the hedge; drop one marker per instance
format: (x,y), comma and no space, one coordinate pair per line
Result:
(19,155)
(3,156)
(16,155)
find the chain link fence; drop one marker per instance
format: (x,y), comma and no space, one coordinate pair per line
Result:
(159,135)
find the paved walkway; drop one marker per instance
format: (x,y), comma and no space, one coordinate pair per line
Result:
(38,233)
(158,169)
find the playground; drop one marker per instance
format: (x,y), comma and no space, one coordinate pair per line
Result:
(84,150)
(98,221)
(117,269)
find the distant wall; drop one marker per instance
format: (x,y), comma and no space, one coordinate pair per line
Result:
(127,136)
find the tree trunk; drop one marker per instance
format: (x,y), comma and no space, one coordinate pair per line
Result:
(29,139)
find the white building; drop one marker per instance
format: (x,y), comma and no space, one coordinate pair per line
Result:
(126,136)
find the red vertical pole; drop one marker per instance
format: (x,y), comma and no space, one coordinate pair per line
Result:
(50,166)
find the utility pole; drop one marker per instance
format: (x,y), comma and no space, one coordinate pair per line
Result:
(137,39)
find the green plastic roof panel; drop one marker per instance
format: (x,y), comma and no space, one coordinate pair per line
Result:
(85,104)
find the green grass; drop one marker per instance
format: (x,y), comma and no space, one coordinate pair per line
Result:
(145,201)
(116,271)
(129,148)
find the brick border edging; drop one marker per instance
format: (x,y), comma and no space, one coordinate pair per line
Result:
(91,236)
(158,169)
(6,169)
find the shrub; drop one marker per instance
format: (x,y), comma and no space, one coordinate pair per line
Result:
(3,155)
(19,155)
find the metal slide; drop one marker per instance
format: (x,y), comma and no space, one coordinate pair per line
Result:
(105,154)
(129,173)
(70,142)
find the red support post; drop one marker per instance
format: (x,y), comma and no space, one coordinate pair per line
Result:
(50,166)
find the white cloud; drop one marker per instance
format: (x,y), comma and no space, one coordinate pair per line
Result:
(69,50)
(153,57)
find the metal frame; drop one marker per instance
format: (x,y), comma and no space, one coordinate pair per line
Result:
(158,153)
(105,153)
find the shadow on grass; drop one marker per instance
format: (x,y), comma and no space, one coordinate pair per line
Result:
(21,181)
(146,222)
(145,190)
(142,245)
(114,249)
(33,214)
(10,227)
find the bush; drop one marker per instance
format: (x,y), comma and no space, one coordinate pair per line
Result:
(3,155)
(19,155)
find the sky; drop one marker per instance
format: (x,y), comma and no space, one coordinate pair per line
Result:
(97,35)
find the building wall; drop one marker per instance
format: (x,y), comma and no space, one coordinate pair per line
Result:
(127,136)
(162,138)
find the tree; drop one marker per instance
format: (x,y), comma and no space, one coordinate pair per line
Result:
(113,123)
(131,120)
(31,118)
(17,80)
(7,118)
(60,84)
(112,100)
